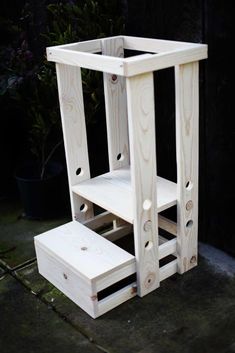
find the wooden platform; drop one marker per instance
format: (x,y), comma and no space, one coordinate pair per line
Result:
(81,263)
(116,185)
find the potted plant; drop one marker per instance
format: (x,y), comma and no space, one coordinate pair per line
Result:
(40,178)
(30,82)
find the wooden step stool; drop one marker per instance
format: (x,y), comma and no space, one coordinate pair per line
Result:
(91,270)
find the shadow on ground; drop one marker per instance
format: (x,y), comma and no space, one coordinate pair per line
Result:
(190,313)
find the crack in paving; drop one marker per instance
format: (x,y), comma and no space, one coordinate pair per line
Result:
(11,272)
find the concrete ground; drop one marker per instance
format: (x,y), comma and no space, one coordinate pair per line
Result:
(190,313)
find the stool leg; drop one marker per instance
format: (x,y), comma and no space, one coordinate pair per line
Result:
(141,117)
(116,112)
(187,102)
(74,131)
(116,109)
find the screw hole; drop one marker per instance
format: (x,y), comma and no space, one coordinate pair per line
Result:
(79,171)
(114,78)
(189,224)
(148,245)
(120,157)
(83,207)
(84,248)
(189,185)
(149,280)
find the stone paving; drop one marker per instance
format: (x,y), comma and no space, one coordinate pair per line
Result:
(190,313)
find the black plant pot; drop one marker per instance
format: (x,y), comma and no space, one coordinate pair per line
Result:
(44,198)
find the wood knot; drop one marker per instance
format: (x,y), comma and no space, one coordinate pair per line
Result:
(189,205)
(134,289)
(193,259)
(114,78)
(94,298)
(149,280)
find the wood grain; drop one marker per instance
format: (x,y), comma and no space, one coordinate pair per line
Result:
(87,60)
(116,108)
(140,102)
(187,105)
(74,132)
(116,185)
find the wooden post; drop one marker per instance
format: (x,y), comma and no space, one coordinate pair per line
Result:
(116,111)
(140,102)
(75,138)
(186,81)
(116,108)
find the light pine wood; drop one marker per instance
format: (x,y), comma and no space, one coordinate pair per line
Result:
(118,232)
(169,54)
(187,105)
(101,220)
(73,257)
(156,45)
(167,248)
(140,103)
(116,185)
(74,131)
(167,225)
(85,251)
(66,280)
(116,298)
(116,108)
(88,46)
(87,60)
(145,63)
(168,270)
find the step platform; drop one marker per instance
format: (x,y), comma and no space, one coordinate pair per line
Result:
(82,264)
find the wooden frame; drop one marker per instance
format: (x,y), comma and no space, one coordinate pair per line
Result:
(166,54)
(79,257)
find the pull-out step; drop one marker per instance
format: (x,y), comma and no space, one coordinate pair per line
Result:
(81,263)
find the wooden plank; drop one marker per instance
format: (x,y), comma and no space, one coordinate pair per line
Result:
(86,60)
(74,131)
(116,108)
(167,248)
(155,45)
(83,251)
(100,220)
(116,299)
(115,276)
(145,63)
(186,81)
(116,185)
(66,280)
(168,270)
(89,46)
(118,232)
(167,225)
(141,117)
(129,291)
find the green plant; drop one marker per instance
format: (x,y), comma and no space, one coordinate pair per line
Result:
(30,81)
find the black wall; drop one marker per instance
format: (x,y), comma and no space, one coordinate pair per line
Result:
(210,22)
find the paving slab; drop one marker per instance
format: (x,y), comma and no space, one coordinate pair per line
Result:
(16,234)
(27,325)
(190,313)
